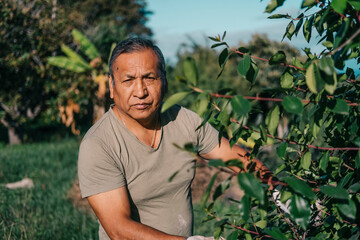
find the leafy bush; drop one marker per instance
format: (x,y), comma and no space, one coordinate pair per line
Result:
(313,127)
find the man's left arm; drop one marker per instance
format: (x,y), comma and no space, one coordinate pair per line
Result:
(224,152)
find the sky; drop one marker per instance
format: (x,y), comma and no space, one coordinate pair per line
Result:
(175,21)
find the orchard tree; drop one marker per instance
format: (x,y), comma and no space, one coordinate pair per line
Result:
(108,21)
(315,192)
(31,31)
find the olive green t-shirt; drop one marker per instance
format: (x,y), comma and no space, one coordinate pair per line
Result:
(158,180)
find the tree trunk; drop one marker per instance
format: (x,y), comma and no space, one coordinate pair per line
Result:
(14,137)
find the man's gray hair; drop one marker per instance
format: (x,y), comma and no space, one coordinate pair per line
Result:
(138,44)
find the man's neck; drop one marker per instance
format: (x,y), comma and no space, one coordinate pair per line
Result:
(144,130)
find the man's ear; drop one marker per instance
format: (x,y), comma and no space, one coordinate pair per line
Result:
(111,86)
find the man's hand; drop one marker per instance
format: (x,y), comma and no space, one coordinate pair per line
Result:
(226,153)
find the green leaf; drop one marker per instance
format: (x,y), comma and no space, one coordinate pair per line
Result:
(223,36)
(328,44)
(292,104)
(263,133)
(340,107)
(73,56)
(307,28)
(278,58)
(64,62)
(223,57)
(286,80)
(313,79)
(300,187)
(308,3)
(272,120)
(224,118)
(261,224)
(235,162)
(306,161)
(348,209)
(252,73)
(339,5)
(357,159)
(207,191)
(240,105)
(324,161)
(326,64)
(281,149)
(244,208)
(244,65)
(233,236)
(345,179)
(331,83)
(190,70)
(172,100)
(273,5)
(298,26)
(300,211)
(355,4)
(275,16)
(221,188)
(218,44)
(355,187)
(275,233)
(285,195)
(86,46)
(290,30)
(216,163)
(335,192)
(251,186)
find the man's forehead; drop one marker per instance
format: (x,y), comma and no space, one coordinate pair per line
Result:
(129,61)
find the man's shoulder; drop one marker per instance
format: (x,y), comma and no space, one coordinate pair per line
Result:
(101,128)
(179,113)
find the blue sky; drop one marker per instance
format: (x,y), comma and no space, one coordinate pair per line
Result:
(173,21)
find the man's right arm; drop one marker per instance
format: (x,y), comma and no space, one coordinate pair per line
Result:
(113,211)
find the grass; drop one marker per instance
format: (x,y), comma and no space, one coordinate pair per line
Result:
(45,211)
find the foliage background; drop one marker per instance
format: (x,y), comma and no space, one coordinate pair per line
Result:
(305,116)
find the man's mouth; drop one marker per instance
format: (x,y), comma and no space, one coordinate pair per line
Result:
(141,106)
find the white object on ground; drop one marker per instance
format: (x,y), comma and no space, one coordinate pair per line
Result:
(25,183)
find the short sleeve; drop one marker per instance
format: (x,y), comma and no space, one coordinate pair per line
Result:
(97,169)
(206,135)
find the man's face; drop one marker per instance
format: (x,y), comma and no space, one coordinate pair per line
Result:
(137,89)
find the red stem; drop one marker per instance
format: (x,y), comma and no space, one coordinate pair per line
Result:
(274,99)
(296,143)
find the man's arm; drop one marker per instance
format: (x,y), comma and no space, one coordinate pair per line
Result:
(113,210)
(226,153)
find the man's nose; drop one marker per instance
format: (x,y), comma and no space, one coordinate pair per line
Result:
(140,89)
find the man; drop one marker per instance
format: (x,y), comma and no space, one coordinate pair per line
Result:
(126,160)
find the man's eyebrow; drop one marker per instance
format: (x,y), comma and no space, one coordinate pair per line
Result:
(129,76)
(148,74)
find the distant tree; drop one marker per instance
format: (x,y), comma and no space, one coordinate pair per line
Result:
(109,21)
(29,32)
(32,30)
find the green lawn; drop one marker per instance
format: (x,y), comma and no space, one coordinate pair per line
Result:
(45,211)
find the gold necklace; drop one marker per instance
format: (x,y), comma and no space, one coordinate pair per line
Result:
(154,134)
